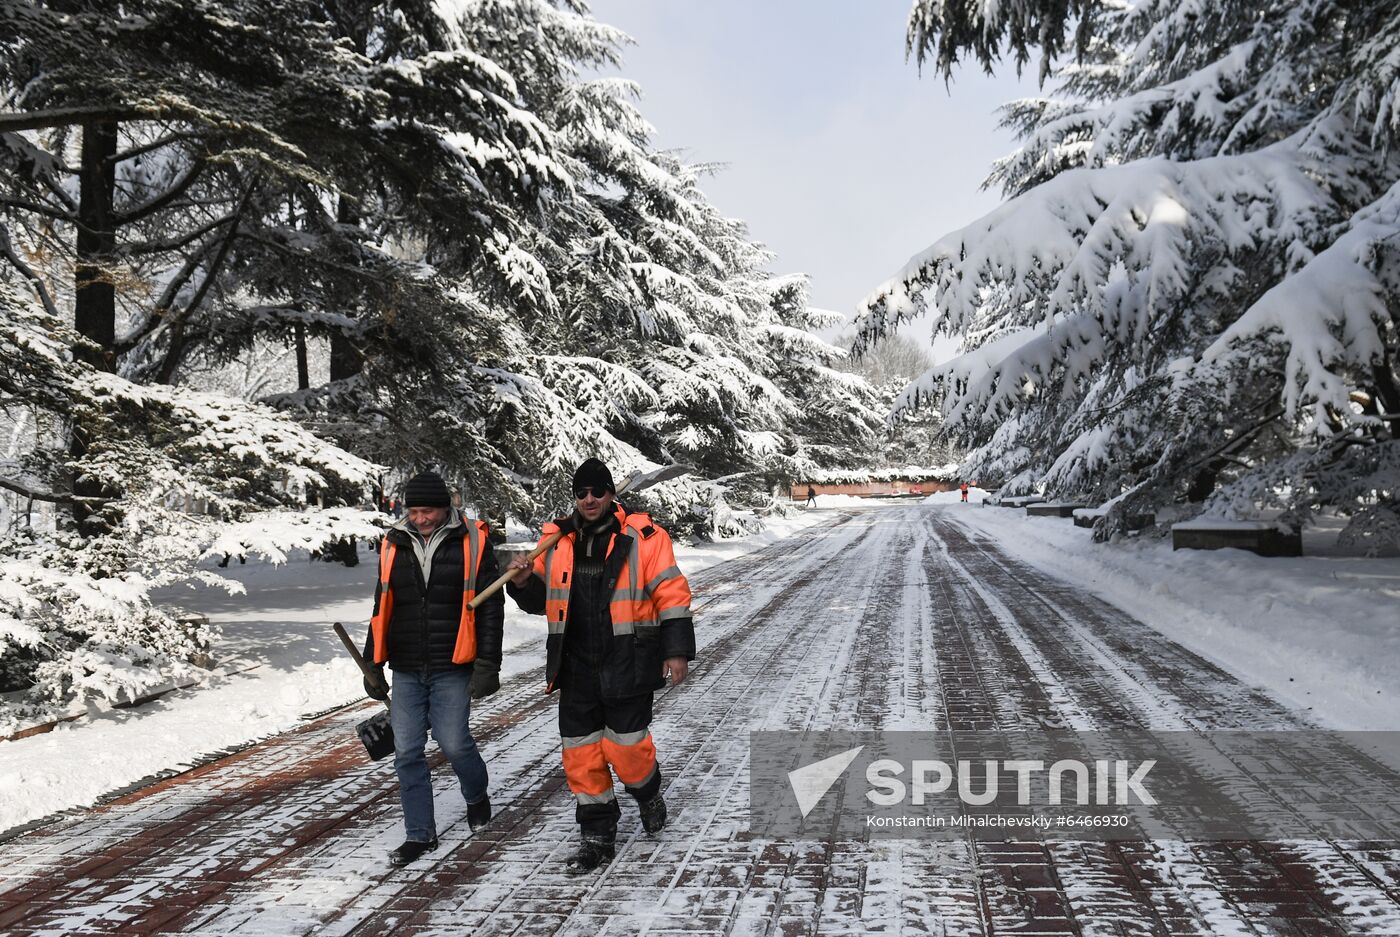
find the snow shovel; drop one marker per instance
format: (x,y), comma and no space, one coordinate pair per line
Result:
(634,482)
(375,732)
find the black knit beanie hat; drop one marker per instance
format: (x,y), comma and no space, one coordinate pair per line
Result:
(593,472)
(426,490)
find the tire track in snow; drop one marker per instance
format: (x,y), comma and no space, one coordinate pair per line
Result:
(688,719)
(860,623)
(1172,688)
(1144,668)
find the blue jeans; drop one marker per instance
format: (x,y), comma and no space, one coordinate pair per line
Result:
(441,701)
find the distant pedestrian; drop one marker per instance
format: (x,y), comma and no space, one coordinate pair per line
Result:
(619,626)
(811,497)
(964,492)
(443,654)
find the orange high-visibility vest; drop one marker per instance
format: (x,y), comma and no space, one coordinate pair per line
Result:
(650,587)
(464,651)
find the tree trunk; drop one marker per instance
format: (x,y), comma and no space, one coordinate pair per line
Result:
(95,294)
(346,359)
(1387,393)
(1203,485)
(303,372)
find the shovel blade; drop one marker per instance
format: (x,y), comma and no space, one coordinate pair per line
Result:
(377,735)
(639,480)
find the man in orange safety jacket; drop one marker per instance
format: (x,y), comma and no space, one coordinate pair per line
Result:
(619,625)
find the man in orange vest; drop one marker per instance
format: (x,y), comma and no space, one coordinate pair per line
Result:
(963,488)
(443,654)
(619,626)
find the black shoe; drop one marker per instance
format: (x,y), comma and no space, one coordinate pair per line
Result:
(653,814)
(479,813)
(410,850)
(591,854)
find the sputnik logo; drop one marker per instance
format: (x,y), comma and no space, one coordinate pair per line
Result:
(811,782)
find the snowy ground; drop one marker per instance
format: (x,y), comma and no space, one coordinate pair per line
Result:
(279,660)
(895,617)
(1320,631)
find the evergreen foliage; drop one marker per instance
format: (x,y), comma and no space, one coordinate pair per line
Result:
(1190,291)
(499,271)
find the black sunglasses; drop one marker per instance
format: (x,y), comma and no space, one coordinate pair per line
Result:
(597,491)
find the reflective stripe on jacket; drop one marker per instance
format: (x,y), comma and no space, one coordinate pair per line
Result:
(649,605)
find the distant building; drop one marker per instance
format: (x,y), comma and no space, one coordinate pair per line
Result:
(909,481)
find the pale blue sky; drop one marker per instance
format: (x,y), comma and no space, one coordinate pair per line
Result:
(841,158)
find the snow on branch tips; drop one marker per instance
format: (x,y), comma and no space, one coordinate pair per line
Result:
(75,611)
(1189,297)
(1331,317)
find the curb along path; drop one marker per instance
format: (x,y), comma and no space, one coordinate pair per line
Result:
(896,617)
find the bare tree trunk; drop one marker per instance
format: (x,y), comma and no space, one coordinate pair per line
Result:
(303,372)
(1203,485)
(95,294)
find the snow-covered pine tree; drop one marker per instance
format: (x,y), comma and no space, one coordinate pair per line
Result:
(839,419)
(912,436)
(75,612)
(424,188)
(182,180)
(1189,293)
(668,340)
(249,170)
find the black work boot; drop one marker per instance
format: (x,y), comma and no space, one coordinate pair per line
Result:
(410,850)
(592,852)
(653,814)
(479,814)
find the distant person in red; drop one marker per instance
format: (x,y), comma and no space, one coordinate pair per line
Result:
(964,492)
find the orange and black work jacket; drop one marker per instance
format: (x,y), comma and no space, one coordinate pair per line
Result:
(635,617)
(426,625)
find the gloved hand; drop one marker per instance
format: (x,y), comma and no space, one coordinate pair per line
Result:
(486,679)
(377,688)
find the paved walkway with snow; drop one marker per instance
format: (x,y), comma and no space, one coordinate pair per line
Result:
(838,628)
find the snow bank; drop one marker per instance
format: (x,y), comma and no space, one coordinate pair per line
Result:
(1318,632)
(975,495)
(826,502)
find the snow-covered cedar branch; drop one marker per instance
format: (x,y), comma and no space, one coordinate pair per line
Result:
(75,612)
(1190,293)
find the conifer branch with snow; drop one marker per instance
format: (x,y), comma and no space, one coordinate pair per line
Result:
(1189,293)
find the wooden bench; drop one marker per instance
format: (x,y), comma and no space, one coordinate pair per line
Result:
(1261,537)
(1019,501)
(1054,508)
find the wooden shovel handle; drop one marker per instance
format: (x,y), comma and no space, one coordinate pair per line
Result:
(505,577)
(370,671)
